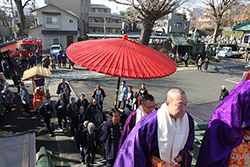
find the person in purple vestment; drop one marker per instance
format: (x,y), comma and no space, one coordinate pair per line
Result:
(167,133)
(225,129)
(147,106)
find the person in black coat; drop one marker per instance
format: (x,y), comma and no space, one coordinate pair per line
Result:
(91,109)
(17,80)
(71,110)
(60,108)
(224,92)
(110,135)
(79,118)
(66,97)
(46,111)
(98,118)
(89,143)
(82,101)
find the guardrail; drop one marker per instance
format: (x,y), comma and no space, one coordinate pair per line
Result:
(201,127)
(44,159)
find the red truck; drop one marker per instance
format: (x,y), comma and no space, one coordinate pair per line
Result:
(29,46)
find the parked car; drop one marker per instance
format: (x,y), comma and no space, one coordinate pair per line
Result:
(227,52)
(54,49)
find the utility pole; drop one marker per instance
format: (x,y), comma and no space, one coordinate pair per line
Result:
(34,5)
(104,26)
(13,19)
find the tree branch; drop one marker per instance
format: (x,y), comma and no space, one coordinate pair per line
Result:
(122,3)
(26,3)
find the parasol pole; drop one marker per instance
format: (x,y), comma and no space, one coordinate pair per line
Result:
(117,91)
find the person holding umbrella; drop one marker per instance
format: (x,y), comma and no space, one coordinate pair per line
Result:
(123,93)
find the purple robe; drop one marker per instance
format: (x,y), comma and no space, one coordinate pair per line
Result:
(225,131)
(142,142)
(129,125)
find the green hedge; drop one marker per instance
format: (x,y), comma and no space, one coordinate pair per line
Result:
(234,33)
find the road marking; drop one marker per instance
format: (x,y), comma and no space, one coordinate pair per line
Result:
(233,80)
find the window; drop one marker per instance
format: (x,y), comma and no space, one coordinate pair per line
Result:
(114,31)
(178,24)
(86,14)
(52,20)
(70,21)
(246,39)
(95,10)
(82,15)
(55,41)
(95,30)
(82,3)
(87,2)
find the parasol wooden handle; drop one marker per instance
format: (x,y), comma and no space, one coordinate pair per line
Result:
(117,91)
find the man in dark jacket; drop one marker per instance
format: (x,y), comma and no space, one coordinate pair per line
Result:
(82,101)
(110,135)
(79,118)
(224,92)
(6,69)
(91,109)
(99,94)
(17,80)
(71,111)
(89,143)
(60,108)
(46,110)
(98,118)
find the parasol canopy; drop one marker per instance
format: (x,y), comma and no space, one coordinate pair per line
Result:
(121,58)
(36,71)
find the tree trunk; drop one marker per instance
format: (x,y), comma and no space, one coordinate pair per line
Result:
(21,15)
(216,30)
(146,31)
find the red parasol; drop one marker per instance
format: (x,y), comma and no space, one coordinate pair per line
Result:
(121,58)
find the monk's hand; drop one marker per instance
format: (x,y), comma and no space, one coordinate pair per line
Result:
(178,159)
(247,137)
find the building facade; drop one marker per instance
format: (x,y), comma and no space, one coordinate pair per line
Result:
(101,20)
(55,26)
(176,25)
(79,7)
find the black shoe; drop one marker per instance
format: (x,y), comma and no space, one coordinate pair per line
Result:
(82,161)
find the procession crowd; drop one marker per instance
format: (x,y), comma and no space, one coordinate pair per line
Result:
(87,121)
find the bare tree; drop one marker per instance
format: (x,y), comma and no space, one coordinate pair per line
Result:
(149,11)
(217,9)
(20,7)
(21,13)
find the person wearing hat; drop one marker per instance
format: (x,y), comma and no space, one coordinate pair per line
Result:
(46,110)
